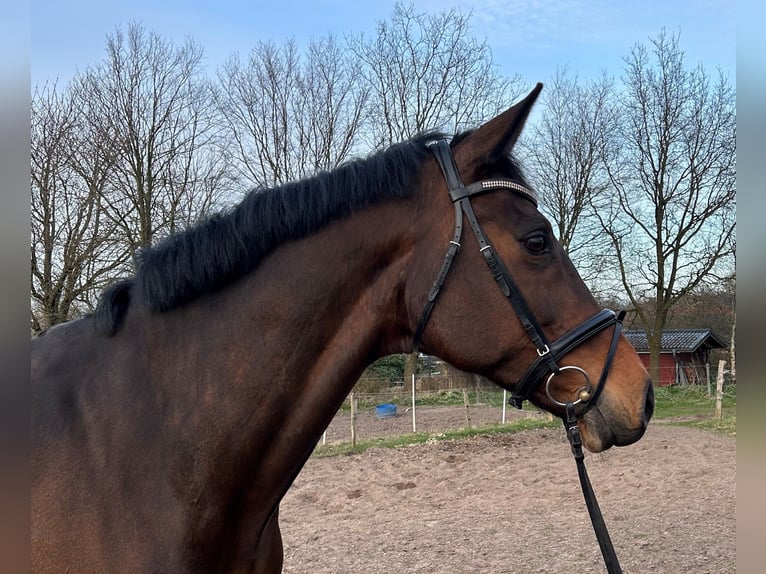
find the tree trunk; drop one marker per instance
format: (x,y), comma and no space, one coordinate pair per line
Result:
(411,367)
(732,350)
(654,342)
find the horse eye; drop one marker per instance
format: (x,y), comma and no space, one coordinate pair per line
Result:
(536,244)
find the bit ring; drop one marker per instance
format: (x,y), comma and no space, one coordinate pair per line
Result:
(583,395)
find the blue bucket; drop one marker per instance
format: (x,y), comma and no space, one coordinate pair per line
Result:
(385,411)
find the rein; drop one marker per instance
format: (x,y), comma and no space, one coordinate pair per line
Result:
(596,518)
(549,354)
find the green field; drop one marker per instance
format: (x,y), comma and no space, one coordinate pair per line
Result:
(685,406)
(691,406)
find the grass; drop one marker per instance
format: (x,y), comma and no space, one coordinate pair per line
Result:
(421,437)
(690,401)
(727,426)
(681,406)
(691,406)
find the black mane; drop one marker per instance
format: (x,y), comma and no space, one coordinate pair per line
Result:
(225,246)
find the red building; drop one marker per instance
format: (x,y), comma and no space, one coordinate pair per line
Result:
(684,357)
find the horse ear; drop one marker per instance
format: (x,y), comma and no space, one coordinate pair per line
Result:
(495,139)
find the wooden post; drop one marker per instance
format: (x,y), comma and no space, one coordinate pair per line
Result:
(505,401)
(733,349)
(719,391)
(467,409)
(709,383)
(353,419)
(414,426)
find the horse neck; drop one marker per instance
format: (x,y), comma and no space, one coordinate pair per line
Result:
(253,374)
(332,299)
(287,342)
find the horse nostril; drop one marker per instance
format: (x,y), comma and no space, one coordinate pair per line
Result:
(649,403)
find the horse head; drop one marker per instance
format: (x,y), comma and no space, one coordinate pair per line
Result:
(507,302)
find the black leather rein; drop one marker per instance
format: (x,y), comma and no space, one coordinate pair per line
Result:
(549,354)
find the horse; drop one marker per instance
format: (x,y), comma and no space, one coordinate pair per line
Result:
(168,425)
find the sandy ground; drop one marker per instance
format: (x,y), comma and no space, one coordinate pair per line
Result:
(512,503)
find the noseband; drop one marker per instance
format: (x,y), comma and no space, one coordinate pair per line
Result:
(548,354)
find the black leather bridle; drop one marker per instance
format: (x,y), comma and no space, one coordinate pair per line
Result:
(549,354)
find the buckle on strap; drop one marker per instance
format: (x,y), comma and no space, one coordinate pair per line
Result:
(573,432)
(560,347)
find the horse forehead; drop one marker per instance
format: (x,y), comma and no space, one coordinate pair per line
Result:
(510,211)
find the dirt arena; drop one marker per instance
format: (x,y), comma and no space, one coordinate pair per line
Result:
(511,503)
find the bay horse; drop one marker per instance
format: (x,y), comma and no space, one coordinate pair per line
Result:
(168,425)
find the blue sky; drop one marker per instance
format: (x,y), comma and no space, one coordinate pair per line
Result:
(530,37)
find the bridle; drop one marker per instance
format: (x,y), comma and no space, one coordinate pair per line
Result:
(549,354)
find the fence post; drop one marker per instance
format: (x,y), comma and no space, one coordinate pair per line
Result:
(719,391)
(467,409)
(505,400)
(707,375)
(414,426)
(353,419)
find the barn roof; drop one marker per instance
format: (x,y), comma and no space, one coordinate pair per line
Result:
(679,340)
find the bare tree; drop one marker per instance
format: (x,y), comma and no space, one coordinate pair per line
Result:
(733,347)
(123,154)
(565,155)
(73,246)
(255,101)
(289,116)
(708,305)
(671,219)
(427,71)
(149,97)
(333,99)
